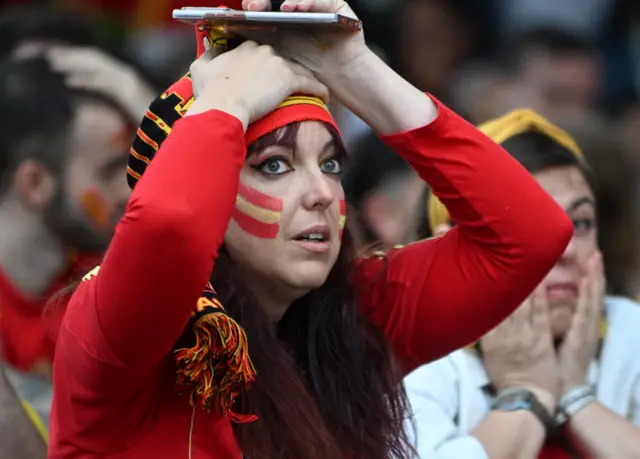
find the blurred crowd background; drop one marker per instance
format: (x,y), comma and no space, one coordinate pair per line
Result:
(577,62)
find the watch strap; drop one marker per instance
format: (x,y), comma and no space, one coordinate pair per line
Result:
(531,403)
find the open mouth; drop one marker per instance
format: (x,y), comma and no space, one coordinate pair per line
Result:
(312,237)
(315,239)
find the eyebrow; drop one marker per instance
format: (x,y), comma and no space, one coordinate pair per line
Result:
(580,202)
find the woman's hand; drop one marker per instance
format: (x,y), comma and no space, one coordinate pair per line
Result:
(519,352)
(324,54)
(248,82)
(354,74)
(581,343)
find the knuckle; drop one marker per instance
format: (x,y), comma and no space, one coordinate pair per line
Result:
(267,50)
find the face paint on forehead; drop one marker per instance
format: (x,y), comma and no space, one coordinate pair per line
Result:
(257,213)
(343,217)
(96,208)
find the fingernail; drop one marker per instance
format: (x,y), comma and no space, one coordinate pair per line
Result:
(253,6)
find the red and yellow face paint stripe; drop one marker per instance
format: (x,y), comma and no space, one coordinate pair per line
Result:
(257,213)
(343,217)
(96,208)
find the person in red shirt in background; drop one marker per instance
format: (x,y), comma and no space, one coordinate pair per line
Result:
(65,146)
(20,436)
(107,98)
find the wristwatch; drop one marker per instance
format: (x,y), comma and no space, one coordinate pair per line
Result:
(516,399)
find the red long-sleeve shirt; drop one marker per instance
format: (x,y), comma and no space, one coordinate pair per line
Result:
(114,385)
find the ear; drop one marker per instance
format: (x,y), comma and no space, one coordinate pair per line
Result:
(34,184)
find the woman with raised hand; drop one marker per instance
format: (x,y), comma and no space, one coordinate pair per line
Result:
(296,348)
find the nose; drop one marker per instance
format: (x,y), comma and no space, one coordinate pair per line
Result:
(570,253)
(319,193)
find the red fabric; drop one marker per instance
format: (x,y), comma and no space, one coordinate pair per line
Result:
(553,450)
(27,340)
(27,330)
(114,382)
(287,115)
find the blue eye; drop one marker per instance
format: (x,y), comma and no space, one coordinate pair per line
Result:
(273,166)
(332,166)
(583,224)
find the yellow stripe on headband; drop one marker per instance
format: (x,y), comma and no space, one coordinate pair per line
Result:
(302,100)
(500,130)
(521,121)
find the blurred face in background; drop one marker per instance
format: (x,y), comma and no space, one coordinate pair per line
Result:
(558,85)
(431,44)
(93,191)
(568,186)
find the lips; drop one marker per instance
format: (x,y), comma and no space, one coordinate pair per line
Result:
(317,234)
(562,291)
(315,239)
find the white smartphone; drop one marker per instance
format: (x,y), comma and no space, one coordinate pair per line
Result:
(237,20)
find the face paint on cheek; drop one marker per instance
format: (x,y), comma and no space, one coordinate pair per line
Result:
(96,208)
(343,217)
(257,213)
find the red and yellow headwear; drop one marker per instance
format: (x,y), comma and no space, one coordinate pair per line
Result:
(217,367)
(500,130)
(175,101)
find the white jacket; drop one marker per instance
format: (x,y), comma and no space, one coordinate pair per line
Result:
(449,399)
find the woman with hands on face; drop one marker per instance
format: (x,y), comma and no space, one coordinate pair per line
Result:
(231,316)
(547,382)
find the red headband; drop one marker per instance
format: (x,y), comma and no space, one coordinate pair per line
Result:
(174,102)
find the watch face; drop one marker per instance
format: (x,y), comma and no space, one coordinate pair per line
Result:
(513,402)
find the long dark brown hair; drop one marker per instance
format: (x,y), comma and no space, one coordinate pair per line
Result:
(326,386)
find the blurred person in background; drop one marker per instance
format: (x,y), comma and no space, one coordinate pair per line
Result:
(553,72)
(616,193)
(478,89)
(560,378)
(28,29)
(62,191)
(430,40)
(582,18)
(22,434)
(109,95)
(387,195)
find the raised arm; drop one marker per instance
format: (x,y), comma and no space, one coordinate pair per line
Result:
(442,294)
(438,295)
(162,253)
